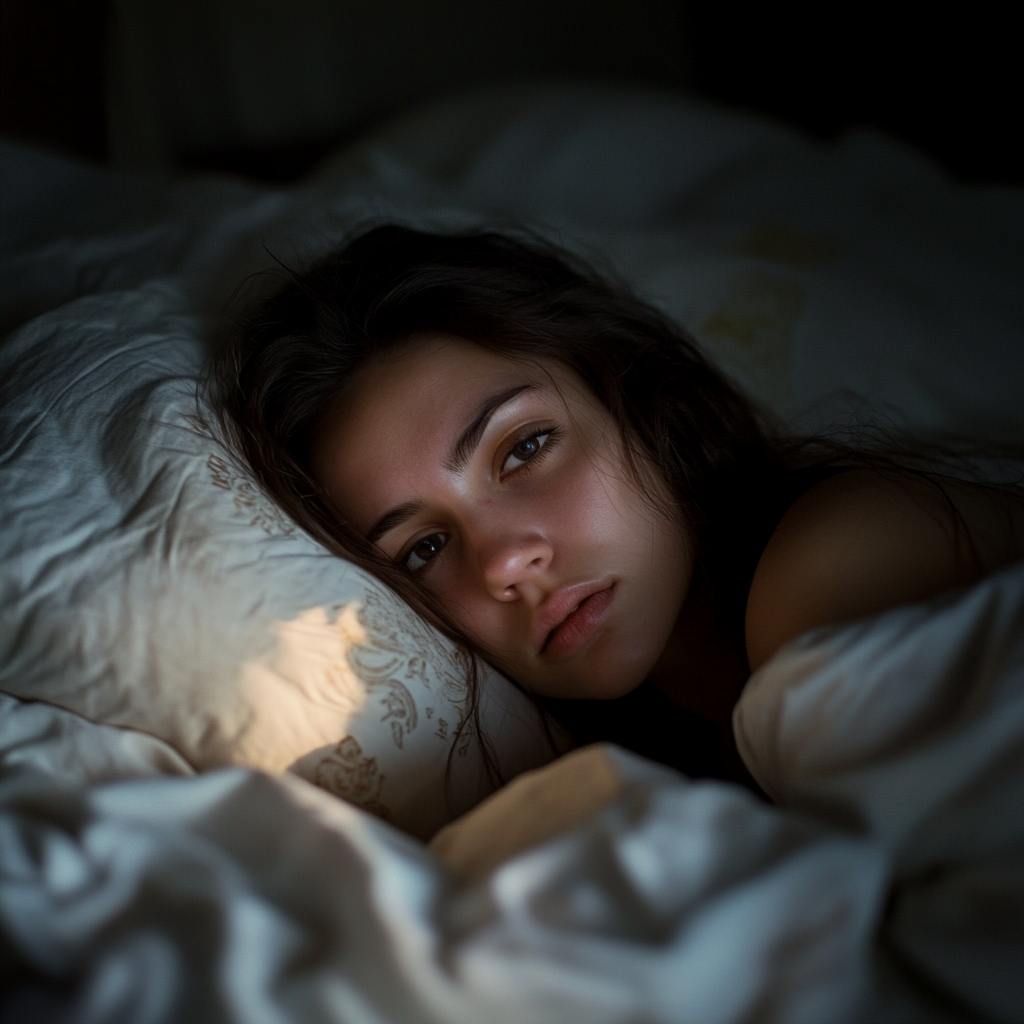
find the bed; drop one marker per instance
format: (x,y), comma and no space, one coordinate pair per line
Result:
(238,781)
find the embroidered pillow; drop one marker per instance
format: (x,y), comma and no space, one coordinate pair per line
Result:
(146,582)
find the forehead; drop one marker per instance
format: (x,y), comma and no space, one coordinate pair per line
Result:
(426,387)
(435,369)
(387,437)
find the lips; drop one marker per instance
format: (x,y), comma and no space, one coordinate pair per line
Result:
(570,617)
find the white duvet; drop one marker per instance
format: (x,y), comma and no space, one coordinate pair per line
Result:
(890,887)
(886,883)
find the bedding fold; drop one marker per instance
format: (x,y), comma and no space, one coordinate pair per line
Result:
(909,727)
(843,284)
(238,897)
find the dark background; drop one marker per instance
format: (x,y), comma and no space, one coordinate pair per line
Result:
(937,77)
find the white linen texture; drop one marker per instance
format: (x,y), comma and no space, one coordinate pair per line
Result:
(160,619)
(147,583)
(235,896)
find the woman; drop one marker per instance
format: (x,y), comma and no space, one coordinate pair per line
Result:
(548,469)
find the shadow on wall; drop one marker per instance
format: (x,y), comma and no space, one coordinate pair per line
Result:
(264,87)
(232,84)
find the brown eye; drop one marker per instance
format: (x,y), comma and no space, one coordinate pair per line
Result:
(424,550)
(525,450)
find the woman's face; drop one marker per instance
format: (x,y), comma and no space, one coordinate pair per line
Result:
(500,486)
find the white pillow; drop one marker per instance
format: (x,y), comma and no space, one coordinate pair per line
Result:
(146,582)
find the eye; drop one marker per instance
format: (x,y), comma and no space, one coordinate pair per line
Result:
(425,549)
(525,450)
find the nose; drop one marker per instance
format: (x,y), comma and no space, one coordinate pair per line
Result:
(513,564)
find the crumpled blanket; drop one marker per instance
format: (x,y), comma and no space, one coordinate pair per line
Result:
(910,728)
(886,886)
(237,897)
(887,882)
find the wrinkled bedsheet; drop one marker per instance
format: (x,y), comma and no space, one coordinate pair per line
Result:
(886,882)
(890,887)
(238,897)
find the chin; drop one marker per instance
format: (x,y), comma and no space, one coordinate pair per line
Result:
(620,668)
(611,686)
(613,689)
(601,676)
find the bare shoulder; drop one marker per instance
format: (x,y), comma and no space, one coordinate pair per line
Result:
(863,541)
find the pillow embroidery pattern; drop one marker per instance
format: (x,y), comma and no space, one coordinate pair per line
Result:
(249,503)
(189,607)
(349,773)
(403,647)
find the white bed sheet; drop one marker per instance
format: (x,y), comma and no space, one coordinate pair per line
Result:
(243,898)
(891,890)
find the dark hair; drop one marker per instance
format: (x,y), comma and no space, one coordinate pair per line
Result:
(730,473)
(518,296)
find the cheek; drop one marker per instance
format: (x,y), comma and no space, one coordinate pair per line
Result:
(597,524)
(603,508)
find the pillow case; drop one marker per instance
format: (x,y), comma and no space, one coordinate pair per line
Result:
(146,582)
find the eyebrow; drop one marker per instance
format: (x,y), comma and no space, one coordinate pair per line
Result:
(461,452)
(468,440)
(395,517)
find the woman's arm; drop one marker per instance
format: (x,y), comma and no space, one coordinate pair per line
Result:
(864,541)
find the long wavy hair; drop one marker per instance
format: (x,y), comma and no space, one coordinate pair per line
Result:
(730,472)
